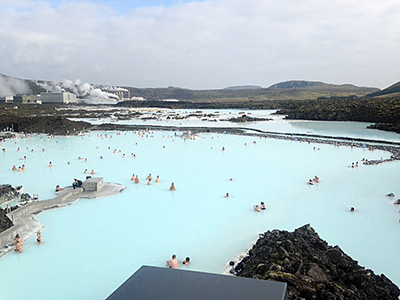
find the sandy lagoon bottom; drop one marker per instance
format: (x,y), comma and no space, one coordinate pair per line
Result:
(90,248)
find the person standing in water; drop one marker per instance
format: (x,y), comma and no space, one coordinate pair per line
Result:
(173,263)
(18,243)
(137,180)
(58,188)
(39,238)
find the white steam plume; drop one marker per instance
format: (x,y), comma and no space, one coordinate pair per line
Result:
(85,91)
(10,86)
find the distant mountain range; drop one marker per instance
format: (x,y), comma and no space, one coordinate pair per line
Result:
(302,84)
(288,90)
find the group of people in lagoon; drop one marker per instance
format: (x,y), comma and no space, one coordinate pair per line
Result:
(355,165)
(315,179)
(173,263)
(149,178)
(135,179)
(93,172)
(260,207)
(257,207)
(19,169)
(77,183)
(18,242)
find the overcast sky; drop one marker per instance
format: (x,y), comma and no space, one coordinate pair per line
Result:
(202,44)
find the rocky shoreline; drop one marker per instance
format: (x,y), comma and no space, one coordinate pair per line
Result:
(245,118)
(10,193)
(311,268)
(36,124)
(5,222)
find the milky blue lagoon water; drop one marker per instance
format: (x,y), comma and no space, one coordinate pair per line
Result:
(277,124)
(91,247)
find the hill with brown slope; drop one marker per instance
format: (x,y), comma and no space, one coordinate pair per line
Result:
(390,91)
(289,90)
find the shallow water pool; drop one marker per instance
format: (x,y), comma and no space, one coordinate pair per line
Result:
(91,247)
(219,118)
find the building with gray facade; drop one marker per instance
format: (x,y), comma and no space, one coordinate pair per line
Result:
(7,99)
(60,97)
(27,99)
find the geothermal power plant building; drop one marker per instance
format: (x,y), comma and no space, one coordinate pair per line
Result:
(62,97)
(7,99)
(25,99)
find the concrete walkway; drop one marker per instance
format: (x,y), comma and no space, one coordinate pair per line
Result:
(24,220)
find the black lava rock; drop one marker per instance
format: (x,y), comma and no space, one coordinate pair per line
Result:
(5,222)
(311,268)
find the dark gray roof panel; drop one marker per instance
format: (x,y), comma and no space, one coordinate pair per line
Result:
(154,283)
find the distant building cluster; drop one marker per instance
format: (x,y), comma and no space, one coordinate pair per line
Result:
(136,98)
(123,95)
(59,97)
(66,97)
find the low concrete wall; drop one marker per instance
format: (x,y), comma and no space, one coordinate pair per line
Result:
(39,206)
(8,235)
(24,217)
(93,184)
(24,221)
